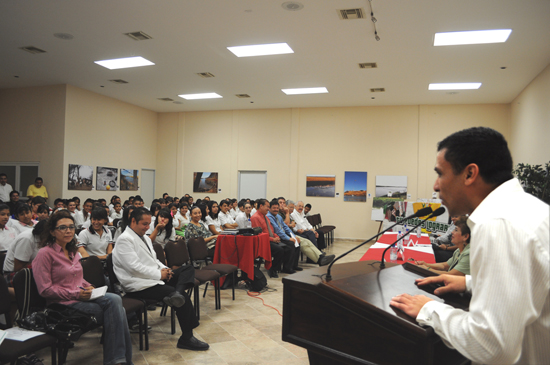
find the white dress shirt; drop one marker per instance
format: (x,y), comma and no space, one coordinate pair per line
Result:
(7,237)
(509,316)
(225,218)
(243,221)
(79,219)
(213,222)
(5,191)
(24,248)
(301,221)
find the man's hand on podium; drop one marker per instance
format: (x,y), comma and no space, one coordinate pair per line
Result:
(409,304)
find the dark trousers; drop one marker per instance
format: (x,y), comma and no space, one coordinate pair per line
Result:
(287,253)
(183,279)
(441,255)
(318,242)
(277,254)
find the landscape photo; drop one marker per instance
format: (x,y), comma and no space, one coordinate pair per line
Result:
(107,178)
(321,185)
(355,186)
(205,182)
(129,179)
(80,177)
(390,194)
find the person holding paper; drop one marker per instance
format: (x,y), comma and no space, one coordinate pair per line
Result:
(59,279)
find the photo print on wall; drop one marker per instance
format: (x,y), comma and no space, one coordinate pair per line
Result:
(320,185)
(106,178)
(80,177)
(205,182)
(129,179)
(355,186)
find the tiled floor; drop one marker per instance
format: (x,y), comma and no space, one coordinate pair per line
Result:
(244,331)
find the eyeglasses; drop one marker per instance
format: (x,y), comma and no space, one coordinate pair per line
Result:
(65,228)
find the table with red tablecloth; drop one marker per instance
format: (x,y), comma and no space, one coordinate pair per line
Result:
(422,251)
(241,251)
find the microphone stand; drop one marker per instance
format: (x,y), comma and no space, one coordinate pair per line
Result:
(423,213)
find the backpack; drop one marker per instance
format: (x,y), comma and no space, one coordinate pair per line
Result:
(259,283)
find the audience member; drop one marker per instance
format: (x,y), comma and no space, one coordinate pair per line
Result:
(243,218)
(34,204)
(37,189)
(304,229)
(226,220)
(114,200)
(58,204)
(5,188)
(212,220)
(234,209)
(307,209)
(96,239)
(143,276)
(71,207)
(138,202)
(443,246)
(23,219)
(84,215)
(182,215)
(196,229)
(162,231)
(77,202)
(59,277)
(14,200)
(124,222)
(43,212)
(7,233)
(117,211)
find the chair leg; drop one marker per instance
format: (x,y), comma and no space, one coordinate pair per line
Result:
(146,326)
(173,319)
(233,286)
(140,325)
(54,353)
(217,291)
(205,287)
(197,303)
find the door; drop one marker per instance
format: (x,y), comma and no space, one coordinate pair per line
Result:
(147,186)
(252,184)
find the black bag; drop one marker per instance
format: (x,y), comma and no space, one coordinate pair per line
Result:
(259,283)
(61,321)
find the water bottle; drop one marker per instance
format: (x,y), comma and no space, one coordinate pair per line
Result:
(393,254)
(418,233)
(407,238)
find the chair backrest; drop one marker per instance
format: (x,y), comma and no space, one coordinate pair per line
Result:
(2,259)
(311,219)
(92,269)
(5,301)
(113,230)
(197,249)
(159,250)
(176,253)
(26,293)
(319,220)
(111,273)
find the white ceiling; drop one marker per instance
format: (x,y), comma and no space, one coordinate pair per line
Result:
(191,36)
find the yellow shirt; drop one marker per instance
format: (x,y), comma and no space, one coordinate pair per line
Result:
(34,191)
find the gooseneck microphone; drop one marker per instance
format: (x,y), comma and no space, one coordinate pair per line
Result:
(420,213)
(436,213)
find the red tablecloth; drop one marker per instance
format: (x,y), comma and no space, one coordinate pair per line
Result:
(242,250)
(421,253)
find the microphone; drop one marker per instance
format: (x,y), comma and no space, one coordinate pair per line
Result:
(436,213)
(420,213)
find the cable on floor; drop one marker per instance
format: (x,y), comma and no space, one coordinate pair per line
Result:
(256,295)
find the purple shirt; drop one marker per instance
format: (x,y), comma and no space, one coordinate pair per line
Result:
(58,278)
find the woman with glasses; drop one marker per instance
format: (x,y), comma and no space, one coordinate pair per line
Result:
(59,278)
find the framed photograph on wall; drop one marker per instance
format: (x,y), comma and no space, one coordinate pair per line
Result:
(106,178)
(355,186)
(389,201)
(321,185)
(205,182)
(129,179)
(81,177)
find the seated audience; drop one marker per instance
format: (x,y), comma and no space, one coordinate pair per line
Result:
(212,220)
(307,209)
(284,253)
(77,202)
(5,188)
(37,189)
(58,204)
(459,264)
(59,278)
(96,240)
(143,276)
(182,215)
(71,207)
(34,204)
(286,234)
(138,202)
(244,216)
(14,200)
(23,219)
(124,222)
(7,233)
(117,211)
(196,229)
(114,200)
(443,246)
(85,214)
(162,231)
(226,220)
(43,212)
(234,209)
(304,229)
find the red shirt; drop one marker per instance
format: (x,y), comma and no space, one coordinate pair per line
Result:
(259,220)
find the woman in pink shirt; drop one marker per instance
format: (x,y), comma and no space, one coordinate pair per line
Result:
(59,278)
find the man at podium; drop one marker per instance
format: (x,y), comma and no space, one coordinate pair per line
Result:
(509,315)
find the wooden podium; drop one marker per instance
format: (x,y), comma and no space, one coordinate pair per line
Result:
(349,320)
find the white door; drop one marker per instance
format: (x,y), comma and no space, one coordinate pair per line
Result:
(252,184)
(147,186)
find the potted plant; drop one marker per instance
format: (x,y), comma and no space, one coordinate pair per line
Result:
(535,180)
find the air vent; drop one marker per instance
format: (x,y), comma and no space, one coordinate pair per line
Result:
(378,90)
(165,99)
(348,14)
(178,102)
(368,65)
(205,74)
(139,36)
(242,96)
(119,81)
(33,50)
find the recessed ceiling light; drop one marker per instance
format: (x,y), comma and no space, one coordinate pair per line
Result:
(455,86)
(472,37)
(200,96)
(64,36)
(261,50)
(127,62)
(307,90)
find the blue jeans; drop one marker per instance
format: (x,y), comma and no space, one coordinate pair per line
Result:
(108,310)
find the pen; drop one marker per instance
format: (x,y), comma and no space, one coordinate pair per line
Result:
(81,288)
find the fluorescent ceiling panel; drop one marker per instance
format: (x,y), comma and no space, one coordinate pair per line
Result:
(472,37)
(307,90)
(127,62)
(200,96)
(261,50)
(455,86)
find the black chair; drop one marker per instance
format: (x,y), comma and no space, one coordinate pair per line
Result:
(11,350)
(113,282)
(159,251)
(92,268)
(177,255)
(2,259)
(199,254)
(326,231)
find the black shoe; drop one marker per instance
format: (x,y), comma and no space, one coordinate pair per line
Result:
(192,344)
(30,360)
(152,307)
(174,300)
(289,271)
(272,273)
(298,268)
(325,260)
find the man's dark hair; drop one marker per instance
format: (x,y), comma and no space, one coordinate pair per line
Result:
(13,192)
(58,200)
(261,202)
(138,199)
(226,202)
(307,206)
(38,179)
(279,198)
(38,200)
(21,208)
(274,202)
(138,214)
(43,208)
(241,203)
(100,213)
(115,204)
(483,146)
(3,174)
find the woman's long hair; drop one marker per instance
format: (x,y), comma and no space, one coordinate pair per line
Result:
(210,204)
(125,222)
(165,213)
(47,239)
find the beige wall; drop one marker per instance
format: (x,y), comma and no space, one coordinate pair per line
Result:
(530,122)
(33,125)
(101,131)
(396,140)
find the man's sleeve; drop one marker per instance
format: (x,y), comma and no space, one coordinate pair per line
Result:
(129,261)
(504,301)
(29,191)
(276,229)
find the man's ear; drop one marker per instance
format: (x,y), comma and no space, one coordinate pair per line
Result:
(471,173)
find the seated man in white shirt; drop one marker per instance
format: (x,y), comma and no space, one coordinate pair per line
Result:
(97,240)
(226,221)
(143,276)
(5,188)
(305,229)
